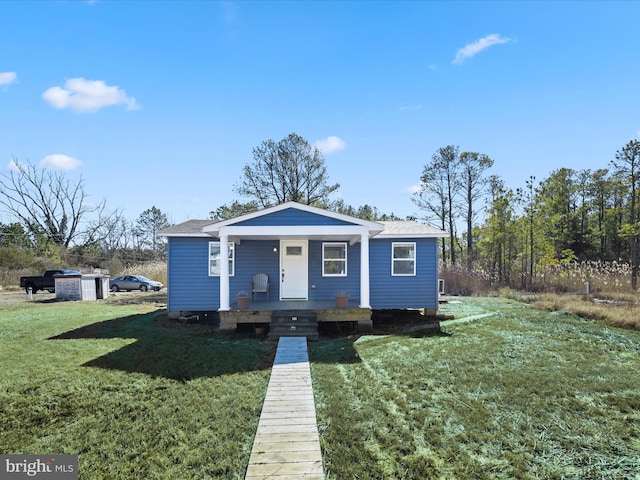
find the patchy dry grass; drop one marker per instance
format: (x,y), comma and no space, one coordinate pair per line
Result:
(519,394)
(621,310)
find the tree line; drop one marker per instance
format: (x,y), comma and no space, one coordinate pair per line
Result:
(54,223)
(510,234)
(572,215)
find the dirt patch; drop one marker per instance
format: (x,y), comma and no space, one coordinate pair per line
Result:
(18,297)
(128,298)
(614,303)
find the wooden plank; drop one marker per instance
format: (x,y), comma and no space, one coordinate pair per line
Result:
(286,438)
(298,382)
(280,421)
(287,412)
(268,429)
(288,470)
(274,413)
(291,446)
(283,457)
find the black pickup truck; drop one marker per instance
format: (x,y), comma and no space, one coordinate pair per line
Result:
(44,282)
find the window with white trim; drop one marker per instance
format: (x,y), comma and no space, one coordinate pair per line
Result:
(334,259)
(214,259)
(403,261)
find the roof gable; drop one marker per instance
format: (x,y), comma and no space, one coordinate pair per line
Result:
(293,219)
(292,216)
(293,213)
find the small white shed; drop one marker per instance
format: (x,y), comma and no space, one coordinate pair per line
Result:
(82,287)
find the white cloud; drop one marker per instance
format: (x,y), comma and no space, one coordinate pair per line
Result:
(413,189)
(87,96)
(58,161)
(16,167)
(411,108)
(229,10)
(7,78)
(472,49)
(330,144)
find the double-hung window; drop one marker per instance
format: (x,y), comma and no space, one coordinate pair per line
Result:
(403,261)
(214,259)
(334,259)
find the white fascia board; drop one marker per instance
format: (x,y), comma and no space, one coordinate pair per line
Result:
(182,235)
(414,235)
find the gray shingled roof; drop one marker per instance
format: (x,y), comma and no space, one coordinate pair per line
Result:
(190,227)
(396,228)
(410,229)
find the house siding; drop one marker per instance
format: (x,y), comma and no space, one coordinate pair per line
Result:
(256,256)
(396,292)
(325,288)
(190,287)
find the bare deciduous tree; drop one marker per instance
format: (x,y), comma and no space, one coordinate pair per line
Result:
(232,210)
(112,232)
(46,202)
(288,170)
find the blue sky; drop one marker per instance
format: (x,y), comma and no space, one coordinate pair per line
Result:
(161,103)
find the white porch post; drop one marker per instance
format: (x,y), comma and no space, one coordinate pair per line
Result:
(224,271)
(364,270)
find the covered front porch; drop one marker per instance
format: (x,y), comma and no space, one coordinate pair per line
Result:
(306,253)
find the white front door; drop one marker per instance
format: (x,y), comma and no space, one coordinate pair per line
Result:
(293,269)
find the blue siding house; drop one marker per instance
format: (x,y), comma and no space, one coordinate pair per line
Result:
(308,254)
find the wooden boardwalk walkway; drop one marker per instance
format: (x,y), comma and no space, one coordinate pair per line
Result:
(287,445)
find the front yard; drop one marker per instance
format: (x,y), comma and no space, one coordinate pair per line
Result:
(517,394)
(132,396)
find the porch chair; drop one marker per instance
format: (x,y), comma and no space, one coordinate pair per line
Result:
(260,284)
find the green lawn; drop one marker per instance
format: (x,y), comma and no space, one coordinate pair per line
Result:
(134,395)
(518,394)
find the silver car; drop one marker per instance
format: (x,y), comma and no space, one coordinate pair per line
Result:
(134,282)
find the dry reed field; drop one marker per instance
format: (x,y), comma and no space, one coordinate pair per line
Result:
(596,290)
